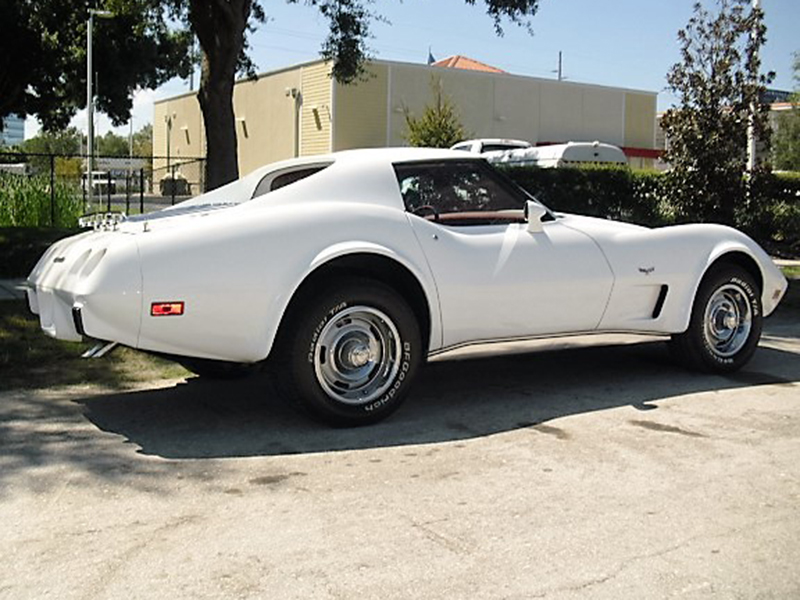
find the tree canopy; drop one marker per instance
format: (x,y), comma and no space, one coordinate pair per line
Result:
(718,84)
(787,133)
(43,56)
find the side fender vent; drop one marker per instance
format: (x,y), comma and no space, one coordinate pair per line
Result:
(662,296)
(77,319)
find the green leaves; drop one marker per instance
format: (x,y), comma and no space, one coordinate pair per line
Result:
(439,125)
(43,56)
(718,84)
(787,135)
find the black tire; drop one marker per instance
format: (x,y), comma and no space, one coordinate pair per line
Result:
(216,369)
(348,357)
(726,322)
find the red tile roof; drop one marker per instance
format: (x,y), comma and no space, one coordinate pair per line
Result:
(466,63)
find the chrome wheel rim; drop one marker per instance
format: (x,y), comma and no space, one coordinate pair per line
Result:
(357,355)
(728,320)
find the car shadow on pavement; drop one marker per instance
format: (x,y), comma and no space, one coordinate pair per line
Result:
(452,400)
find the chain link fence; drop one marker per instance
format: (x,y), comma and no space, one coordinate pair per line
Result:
(53,190)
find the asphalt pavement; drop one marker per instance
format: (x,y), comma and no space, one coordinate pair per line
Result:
(600,471)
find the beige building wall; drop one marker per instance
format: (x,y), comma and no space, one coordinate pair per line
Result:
(178,130)
(509,92)
(265,118)
(301,110)
(561,117)
(640,120)
(604,115)
(536,110)
(316,122)
(360,111)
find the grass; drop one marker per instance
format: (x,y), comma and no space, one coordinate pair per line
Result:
(791,272)
(31,359)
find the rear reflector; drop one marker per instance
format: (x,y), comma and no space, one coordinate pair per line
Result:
(166,309)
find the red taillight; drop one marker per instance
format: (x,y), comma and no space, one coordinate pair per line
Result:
(166,309)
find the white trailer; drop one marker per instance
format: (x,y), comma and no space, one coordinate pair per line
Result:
(560,155)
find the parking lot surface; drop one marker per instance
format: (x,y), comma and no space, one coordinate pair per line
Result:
(580,472)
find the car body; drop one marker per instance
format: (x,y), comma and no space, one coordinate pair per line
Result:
(484,145)
(345,271)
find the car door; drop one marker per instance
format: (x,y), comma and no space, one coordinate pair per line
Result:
(495,278)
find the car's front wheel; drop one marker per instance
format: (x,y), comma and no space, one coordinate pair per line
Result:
(726,321)
(351,354)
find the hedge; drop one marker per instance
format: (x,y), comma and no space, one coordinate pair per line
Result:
(771,213)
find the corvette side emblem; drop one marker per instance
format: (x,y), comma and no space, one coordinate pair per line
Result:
(646,271)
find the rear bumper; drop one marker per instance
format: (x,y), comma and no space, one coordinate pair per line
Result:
(89,286)
(55,313)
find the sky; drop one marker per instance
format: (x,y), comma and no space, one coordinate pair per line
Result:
(620,43)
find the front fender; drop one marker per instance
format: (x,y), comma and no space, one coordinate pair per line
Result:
(736,247)
(773,283)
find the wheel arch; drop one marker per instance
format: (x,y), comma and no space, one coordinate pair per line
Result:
(707,348)
(726,257)
(719,258)
(737,258)
(370,265)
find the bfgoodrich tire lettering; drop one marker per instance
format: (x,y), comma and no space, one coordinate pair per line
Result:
(726,322)
(352,354)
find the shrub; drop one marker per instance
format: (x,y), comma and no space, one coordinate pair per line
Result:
(28,202)
(767,206)
(607,192)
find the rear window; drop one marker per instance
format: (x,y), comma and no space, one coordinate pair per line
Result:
(273,181)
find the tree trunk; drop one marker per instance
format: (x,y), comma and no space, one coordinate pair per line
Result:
(216,103)
(220,28)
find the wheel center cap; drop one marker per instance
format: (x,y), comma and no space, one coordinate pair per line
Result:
(729,321)
(358,355)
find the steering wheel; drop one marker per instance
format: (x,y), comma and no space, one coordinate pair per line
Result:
(426,211)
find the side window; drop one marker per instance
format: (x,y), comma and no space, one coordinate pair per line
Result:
(459,193)
(272,182)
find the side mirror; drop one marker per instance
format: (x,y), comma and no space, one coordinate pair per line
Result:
(533,215)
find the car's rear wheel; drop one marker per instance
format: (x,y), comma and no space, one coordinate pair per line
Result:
(725,324)
(349,356)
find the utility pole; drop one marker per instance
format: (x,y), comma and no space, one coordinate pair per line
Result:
(193,54)
(90,99)
(751,130)
(559,66)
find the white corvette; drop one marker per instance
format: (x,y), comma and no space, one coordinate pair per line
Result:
(346,271)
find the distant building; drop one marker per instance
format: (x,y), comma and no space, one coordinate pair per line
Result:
(467,64)
(775,109)
(13,133)
(301,111)
(775,96)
